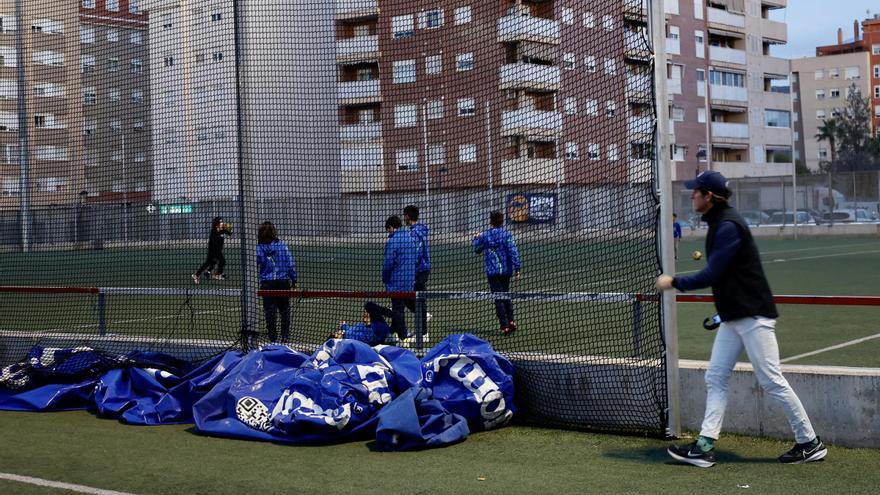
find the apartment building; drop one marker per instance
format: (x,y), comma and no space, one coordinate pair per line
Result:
(42,101)
(117,152)
(730,107)
(487,94)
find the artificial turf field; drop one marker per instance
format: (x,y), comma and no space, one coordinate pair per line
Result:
(76,447)
(826,266)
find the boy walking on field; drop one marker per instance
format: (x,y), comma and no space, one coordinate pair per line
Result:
(502,262)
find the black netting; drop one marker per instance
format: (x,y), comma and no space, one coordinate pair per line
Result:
(127,126)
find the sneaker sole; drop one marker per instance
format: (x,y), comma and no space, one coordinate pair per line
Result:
(817,456)
(688,460)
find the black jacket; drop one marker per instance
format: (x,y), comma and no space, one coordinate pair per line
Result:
(215,242)
(742,289)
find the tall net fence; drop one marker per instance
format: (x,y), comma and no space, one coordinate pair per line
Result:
(139,136)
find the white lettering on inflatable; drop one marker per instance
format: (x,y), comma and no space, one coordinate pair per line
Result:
(379,392)
(486,391)
(300,404)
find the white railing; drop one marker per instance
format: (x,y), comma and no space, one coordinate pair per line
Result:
(359,45)
(638,84)
(729,55)
(545,76)
(673,86)
(721,16)
(731,93)
(360,132)
(361,157)
(528,28)
(528,121)
(532,171)
(354,90)
(730,130)
(349,7)
(641,125)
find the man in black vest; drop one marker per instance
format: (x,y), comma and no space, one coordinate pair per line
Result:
(748,320)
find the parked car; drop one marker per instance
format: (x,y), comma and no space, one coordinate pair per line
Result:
(854,215)
(787,218)
(754,217)
(816,214)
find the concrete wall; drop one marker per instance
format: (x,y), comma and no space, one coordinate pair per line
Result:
(843,403)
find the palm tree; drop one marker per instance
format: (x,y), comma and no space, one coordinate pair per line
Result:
(829,131)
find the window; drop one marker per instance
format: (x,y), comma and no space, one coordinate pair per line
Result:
(404,71)
(39,121)
(407,159)
(876,91)
(702,152)
(217,56)
(571,151)
(112,35)
(133,7)
(137,96)
(136,66)
(677,114)
(777,118)
(593,151)
(464,61)
(115,94)
(701,115)
(466,107)
(112,5)
(608,23)
(834,93)
(88,64)
(819,74)
(436,155)
(86,34)
(592,107)
(463,15)
(89,96)
(405,116)
(674,33)
(89,128)
(402,26)
(823,153)
(112,64)
(877,72)
(433,64)
(851,73)
(568,15)
(136,38)
(875,49)
(88,4)
(116,125)
(590,63)
(571,105)
(467,153)
(721,78)
(610,108)
(613,153)
(9,89)
(431,19)
(568,61)
(876,110)
(116,156)
(51,153)
(434,109)
(834,73)
(589,20)
(820,94)
(216,16)
(610,66)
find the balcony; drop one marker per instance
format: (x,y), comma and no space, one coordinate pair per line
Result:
(640,170)
(367,156)
(532,171)
(355,92)
(774,31)
(635,46)
(726,20)
(357,49)
(730,131)
(360,133)
(636,11)
(673,46)
(774,65)
(781,136)
(641,126)
(727,55)
(513,28)
(673,86)
(530,76)
(776,4)
(528,122)
(638,87)
(363,179)
(729,93)
(736,170)
(354,9)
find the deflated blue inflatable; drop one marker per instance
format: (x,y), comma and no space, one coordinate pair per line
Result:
(345,390)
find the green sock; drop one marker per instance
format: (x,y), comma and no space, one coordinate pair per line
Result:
(705,443)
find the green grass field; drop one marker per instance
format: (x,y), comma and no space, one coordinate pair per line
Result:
(76,447)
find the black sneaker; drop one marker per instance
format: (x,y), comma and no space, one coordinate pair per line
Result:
(692,454)
(804,452)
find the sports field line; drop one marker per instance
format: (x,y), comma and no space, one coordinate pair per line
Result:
(138,320)
(804,258)
(818,248)
(830,348)
(57,484)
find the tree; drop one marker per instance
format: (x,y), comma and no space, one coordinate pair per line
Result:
(853,133)
(828,131)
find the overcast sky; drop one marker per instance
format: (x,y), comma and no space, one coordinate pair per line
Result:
(814,23)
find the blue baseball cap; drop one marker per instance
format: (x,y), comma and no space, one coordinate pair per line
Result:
(711,181)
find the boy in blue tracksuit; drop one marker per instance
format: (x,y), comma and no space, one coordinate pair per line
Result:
(398,270)
(419,232)
(502,262)
(277,272)
(372,330)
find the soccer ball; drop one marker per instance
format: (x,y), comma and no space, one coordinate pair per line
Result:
(697,255)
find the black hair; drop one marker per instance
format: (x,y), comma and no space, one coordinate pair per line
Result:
(216,221)
(267,234)
(393,222)
(411,211)
(496,218)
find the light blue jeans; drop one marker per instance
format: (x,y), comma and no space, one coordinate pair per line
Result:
(758,336)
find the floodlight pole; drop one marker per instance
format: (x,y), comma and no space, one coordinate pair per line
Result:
(24,171)
(656,18)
